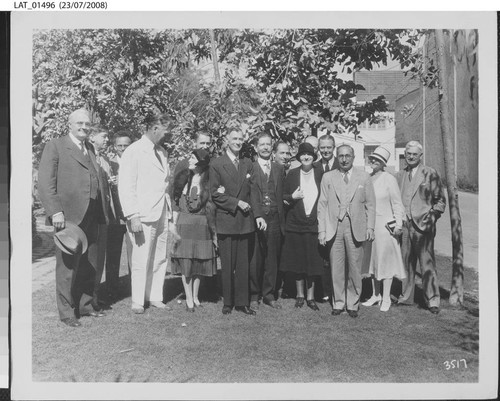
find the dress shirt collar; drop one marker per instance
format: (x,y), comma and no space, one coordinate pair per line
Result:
(77,142)
(149,142)
(349,173)
(231,156)
(413,170)
(263,163)
(329,162)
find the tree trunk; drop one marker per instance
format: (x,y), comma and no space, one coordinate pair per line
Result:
(215,61)
(457,280)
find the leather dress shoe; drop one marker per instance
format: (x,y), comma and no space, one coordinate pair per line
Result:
(188,309)
(226,310)
(352,313)
(272,303)
(311,304)
(71,322)
(336,312)
(434,310)
(246,310)
(299,302)
(97,313)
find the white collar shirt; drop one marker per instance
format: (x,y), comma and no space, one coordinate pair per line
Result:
(79,143)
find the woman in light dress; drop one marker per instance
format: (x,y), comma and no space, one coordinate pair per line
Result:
(385,261)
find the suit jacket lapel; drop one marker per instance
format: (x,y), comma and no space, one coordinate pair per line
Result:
(242,171)
(417,179)
(353,185)
(337,181)
(228,165)
(274,172)
(149,150)
(76,153)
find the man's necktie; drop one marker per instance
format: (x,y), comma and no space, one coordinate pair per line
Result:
(409,174)
(82,148)
(346,178)
(327,167)
(236,163)
(267,170)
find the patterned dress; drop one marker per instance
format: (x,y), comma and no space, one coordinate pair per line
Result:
(194,254)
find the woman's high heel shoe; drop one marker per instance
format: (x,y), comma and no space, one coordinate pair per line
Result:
(299,302)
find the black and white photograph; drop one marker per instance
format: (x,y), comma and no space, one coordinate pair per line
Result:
(254,205)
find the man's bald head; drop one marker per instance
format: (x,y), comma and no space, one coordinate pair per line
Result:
(79,124)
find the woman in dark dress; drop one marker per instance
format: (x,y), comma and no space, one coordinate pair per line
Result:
(194,215)
(300,253)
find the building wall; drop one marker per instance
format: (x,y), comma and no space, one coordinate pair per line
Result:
(423,122)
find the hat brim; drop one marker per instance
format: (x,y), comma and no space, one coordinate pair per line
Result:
(315,156)
(379,158)
(81,235)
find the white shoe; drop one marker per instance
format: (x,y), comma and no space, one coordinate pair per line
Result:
(137,309)
(159,305)
(385,306)
(372,301)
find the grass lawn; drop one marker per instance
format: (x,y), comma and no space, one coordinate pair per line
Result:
(406,345)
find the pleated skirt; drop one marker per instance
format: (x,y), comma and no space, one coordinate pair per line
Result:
(194,255)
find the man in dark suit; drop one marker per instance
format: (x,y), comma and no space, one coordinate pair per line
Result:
(117,229)
(424,202)
(266,199)
(72,188)
(99,140)
(230,190)
(282,155)
(328,162)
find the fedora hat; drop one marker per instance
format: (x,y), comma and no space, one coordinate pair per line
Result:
(306,148)
(381,154)
(71,239)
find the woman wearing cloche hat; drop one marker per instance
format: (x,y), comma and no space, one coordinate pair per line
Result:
(385,261)
(300,253)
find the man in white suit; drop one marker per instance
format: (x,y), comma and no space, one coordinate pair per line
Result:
(346,216)
(142,187)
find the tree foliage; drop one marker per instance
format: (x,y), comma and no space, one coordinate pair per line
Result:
(284,79)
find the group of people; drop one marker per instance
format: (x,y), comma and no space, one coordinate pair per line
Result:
(314,223)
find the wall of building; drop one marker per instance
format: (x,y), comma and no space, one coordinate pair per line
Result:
(417,114)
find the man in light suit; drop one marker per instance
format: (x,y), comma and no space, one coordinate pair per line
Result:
(266,199)
(142,187)
(328,162)
(230,189)
(346,216)
(72,189)
(424,202)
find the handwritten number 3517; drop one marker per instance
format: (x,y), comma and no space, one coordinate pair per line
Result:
(455,364)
